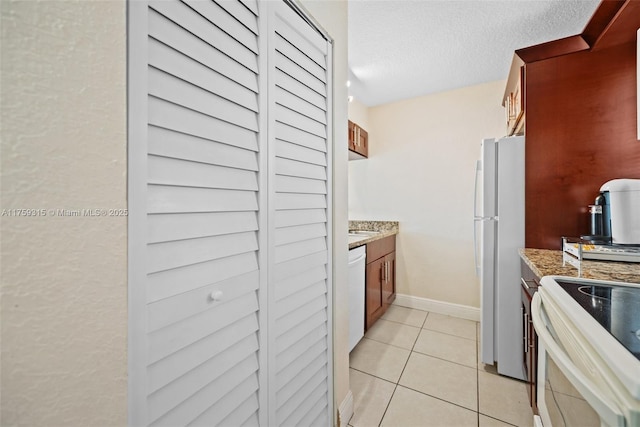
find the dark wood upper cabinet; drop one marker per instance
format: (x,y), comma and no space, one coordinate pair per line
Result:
(581,121)
(358,142)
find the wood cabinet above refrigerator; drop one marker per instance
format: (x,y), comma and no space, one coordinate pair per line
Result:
(513,99)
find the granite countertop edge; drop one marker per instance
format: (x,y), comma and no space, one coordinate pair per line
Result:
(548,262)
(385,229)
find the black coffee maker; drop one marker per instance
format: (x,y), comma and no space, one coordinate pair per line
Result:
(600,215)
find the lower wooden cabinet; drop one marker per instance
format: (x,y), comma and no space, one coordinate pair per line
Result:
(529,286)
(380,278)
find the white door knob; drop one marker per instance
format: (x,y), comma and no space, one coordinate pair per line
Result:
(216,295)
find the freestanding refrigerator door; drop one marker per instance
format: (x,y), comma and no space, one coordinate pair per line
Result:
(487,290)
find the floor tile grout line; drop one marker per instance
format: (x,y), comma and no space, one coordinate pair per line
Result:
(402,372)
(438,398)
(451,335)
(386,343)
(429,329)
(445,360)
(388,404)
(399,322)
(371,375)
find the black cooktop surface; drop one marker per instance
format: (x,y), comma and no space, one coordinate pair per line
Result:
(616,308)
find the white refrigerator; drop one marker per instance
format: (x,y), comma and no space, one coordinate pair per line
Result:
(499,233)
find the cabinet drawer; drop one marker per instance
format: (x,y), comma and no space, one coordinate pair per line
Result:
(380,248)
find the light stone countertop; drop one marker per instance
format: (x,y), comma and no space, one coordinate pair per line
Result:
(384,229)
(546,262)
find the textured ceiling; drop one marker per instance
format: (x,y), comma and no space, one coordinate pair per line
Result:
(404,48)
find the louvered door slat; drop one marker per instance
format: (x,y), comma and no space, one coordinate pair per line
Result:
(186,17)
(172,310)
(299,249)
(167,283)
(177,336)
(164,114)
(292,285)
(300,34)
(300,201)
(291,134)
(167,143)
(300,364)
(177,64)
(167,255)
(189,384)
(311,375)
(167,227)
(189,409)
(286,48)
(179,363)
(299,233)
(293,102)
(168,171)
(294,352)
(240,12)
(226,22)
(304,400)
(252,5)
(298,217)
(177,91)
(300,169)
(287,150)
(300,90)
(316,416)
(295,71)
(171,199)
(290,184)
(315,292)
(168,32)
(300,265)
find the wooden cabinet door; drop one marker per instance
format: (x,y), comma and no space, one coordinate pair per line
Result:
(362,144)
(352,136)
(389,284)
(375,307)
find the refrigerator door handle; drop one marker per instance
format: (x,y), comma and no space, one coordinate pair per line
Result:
(475,246)
(475,214)
(475,192)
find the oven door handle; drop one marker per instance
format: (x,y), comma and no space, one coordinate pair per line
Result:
(608,411)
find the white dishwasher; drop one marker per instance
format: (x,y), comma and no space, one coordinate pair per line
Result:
(357,265)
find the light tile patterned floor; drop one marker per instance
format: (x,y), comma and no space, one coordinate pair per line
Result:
(415,368)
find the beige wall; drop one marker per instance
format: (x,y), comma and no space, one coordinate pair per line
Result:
(359,113)
(420,171)
(332,16)
(64,278)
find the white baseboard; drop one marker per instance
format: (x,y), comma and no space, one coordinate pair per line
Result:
(345,412)
(440,307)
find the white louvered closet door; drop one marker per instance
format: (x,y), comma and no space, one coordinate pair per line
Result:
(299,282)
(229,259)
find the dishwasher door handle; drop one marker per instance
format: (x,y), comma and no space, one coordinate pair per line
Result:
(360,258)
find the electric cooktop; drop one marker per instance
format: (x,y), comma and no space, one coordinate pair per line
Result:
(615,307)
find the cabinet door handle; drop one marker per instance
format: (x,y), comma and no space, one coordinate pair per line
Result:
(386,269)
(526,332)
